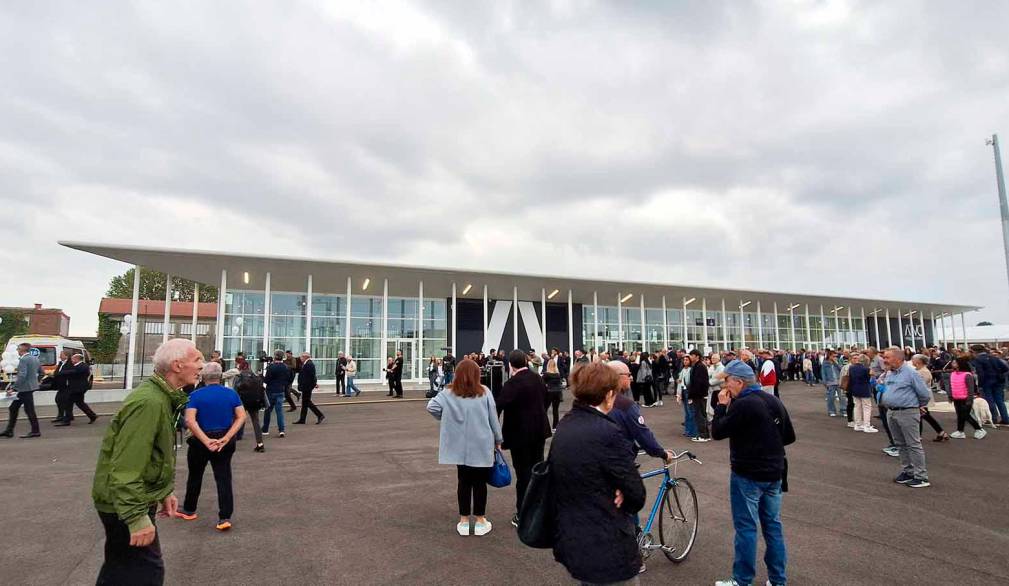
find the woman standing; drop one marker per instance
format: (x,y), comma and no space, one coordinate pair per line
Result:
(962,390)
(861,393)
(920,364)
(597,489)
(470,432)
(644,379)
(432,374)
(390,375)
(555,388)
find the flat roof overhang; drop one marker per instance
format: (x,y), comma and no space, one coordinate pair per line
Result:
(330,276)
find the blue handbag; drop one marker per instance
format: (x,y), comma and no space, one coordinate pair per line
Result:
(500,474)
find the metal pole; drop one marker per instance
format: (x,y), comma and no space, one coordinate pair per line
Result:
(963,322)
(889,334)
(910,319)
(704,328)
(924,339)
(418,356)
(543,324)
(620,322)
(455,325)
(942,325)
(809,329)
(268,309)
(665,325)
(595,320)
(385,322)
(515,316)
(346,326)
(1003,205)
(875,321)
(900,327)
(644,340)
(308,317)
(196,304)
(131,353)
(742,327)
(484,345)
(221,299)
(777,334)
(791,325)
(168,308)
(851,326)
(760,327)
(684,323)
(823,327)
(571,326)
(725,325)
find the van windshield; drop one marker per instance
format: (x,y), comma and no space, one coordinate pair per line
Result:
(47,355)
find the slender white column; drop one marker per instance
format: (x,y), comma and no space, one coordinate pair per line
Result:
(595,319)
(952,326)
(725,326)
(308,317)
(823,328)
(684,323)
(791,325)
(742,327)
(515,314)
(571,327)
(222,295)
(889,334)
(851,326)
(196,305)
(809,328)
(910,319)
(484,343)
(385,317)
(665,325)
(777,334)
(267,310)
(644,337)
(346,325)
(924,334)
(760,327)
(131,353)
(900,328)
(704,320)
(875,320)
(620,322)
(543,322)
(942,325)
(963,324)
(418,355)
(865,327)
(168,308)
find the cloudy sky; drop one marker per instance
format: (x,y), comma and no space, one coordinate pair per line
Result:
(814,147)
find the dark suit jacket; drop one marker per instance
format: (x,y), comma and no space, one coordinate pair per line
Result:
(306,376)
(697,390)
(78,378)
(398,374)
(59,376)
(523,402)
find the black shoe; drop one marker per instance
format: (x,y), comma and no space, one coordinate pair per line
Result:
(903,478)
(259,448)
(58,420)
(61,424)
(298,423)
(515,520)
(321,419)
(918,483)
(31,435)
(7,433)
(399,396)
(92,419)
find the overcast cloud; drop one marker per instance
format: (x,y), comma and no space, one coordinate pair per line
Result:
(814,147)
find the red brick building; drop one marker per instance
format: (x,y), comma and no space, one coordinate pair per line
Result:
(45,321)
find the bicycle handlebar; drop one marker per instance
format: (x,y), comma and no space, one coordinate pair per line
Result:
(685,453)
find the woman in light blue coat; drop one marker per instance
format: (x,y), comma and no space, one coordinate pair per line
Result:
(470,432)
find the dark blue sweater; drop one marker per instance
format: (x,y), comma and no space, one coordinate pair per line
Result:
(758,429)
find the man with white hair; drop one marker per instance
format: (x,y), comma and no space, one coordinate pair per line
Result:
(136,467)
(308,382)
(905,396)
(25,385)
(214,415)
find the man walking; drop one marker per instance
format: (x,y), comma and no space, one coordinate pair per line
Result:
(697,395)
(525,427)
(64,406)
(905,396)
(136,467)
(397,374)
(341,375)
(758,429)
(276,379)
(214,415)
(307,382)
(78,376)
(25,385)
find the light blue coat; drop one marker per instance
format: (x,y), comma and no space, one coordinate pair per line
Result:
(469,428)
(29,373)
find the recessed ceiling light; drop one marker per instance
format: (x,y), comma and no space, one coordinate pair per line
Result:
(367,282)
(553,293)
(467,288)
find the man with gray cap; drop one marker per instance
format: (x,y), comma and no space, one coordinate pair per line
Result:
(758,429)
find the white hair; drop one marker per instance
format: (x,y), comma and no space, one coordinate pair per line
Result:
(171,351)
(211,371)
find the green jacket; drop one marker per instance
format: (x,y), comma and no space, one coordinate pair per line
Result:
(136,464)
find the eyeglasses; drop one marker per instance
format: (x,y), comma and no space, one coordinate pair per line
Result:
(625,374)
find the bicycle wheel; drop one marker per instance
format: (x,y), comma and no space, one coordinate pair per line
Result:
(678,520)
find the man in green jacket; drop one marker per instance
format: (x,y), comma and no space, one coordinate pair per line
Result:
(136,467)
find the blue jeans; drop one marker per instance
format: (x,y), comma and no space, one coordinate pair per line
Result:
(277,404)
(351,386)
(690,426)
(835,391)
(996,402)
(808,375)
(448,376)
(754,502)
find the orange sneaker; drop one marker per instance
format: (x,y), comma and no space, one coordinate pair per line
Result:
(187,516)
(224,525)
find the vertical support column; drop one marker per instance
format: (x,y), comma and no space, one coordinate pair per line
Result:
(931,316)
(963,324)
(865,328)
(900,328)
(644,337)
(914,338)
(168,308)
(515,314)
(823,327)
(346,340)
(777,334)
(418,355)
(684,316)
(875,321)
(484,342)
(308,317)
(131,353)
(267,311)
(222,296)
(742,326)
(889,334)
(704,320)
(620,321)
(725,326)
(921,320)
(385,316)
(952,326)
(791,325)
(543,322)
(809,333)
(665,326)
(851,326)
(571,326)
(942,325)
(595,319)
(196,306)
(760,327)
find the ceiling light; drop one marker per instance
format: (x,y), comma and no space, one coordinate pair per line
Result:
(792,306)
(838,308)
(553,293)
(625,298)
(744,304)
(367,282)
(468,287)
(689,301)
(245,277)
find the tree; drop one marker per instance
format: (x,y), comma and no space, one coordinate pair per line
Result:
(152,286)
(984,323)
(14,324)
(105,347)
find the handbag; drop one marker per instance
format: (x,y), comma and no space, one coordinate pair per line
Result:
(536,515)
(500,474)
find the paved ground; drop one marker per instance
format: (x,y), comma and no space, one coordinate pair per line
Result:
(361,500)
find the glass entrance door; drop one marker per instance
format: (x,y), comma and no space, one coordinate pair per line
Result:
(407,346)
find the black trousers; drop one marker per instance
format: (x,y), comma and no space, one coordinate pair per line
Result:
(554,404)
(78,399)
(341,383)
(64,405)
(472,488)
(963,414)
(392,386)
(524,457)
(306,404)
(398,386)
(28,400)
(125,564)
(658,387)
(850,408)
(927,417)
(197,456)
(699,407)
(289,399)
(648,392)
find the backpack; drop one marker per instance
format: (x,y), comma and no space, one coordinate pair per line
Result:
(249,387)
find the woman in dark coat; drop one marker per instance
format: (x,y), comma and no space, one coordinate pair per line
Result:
(596,487)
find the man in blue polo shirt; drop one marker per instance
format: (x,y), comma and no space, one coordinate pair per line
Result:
(214,415)
(904,395)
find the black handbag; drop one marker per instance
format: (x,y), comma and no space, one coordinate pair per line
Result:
(536,515)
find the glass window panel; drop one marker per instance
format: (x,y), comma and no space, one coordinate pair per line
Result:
(288,304)
(328,305)
(365,327)
(435,309)
(366,307)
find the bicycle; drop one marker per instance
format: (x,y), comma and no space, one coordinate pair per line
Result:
(677,515)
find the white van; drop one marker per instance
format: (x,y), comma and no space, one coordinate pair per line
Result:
(48,349)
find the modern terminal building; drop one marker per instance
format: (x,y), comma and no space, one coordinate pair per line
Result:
(371,311)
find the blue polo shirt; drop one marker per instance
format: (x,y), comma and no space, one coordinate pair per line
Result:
(215,407)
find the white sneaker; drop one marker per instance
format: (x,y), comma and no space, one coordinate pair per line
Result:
(482,528)
(833,414)
(858,427)
(462,528)
(958,435)
(979,434)
(852,424)
(870,429)
(729,582)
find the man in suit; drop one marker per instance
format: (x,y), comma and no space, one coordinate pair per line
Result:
(397,374)
(64,406)
(25,385)
(525,429)
(78,382)
(341,375)
(307,382)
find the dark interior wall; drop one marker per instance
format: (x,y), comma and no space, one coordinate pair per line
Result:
(898,337)
(469,314)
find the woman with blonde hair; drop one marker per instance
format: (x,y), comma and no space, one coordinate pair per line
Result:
(470,434)
(555,389)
